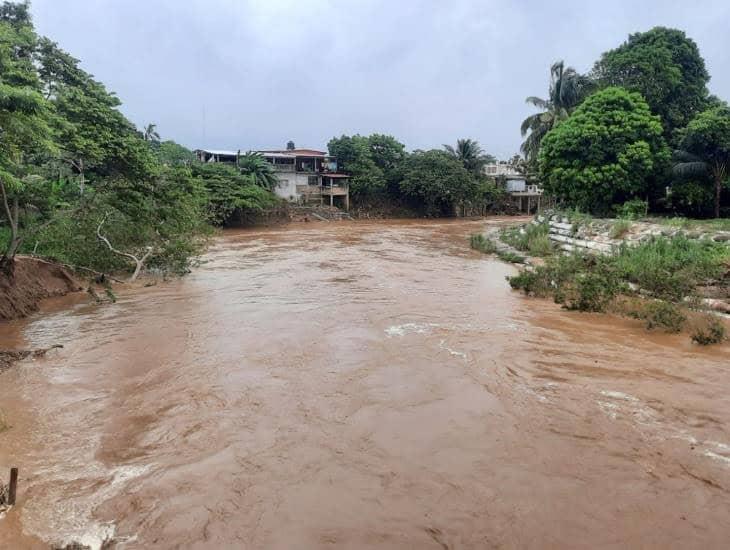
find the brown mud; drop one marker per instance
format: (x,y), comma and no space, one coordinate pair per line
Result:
(32,281)
(360,385)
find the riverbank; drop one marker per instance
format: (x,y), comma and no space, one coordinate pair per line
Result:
(33,281)
(662,275)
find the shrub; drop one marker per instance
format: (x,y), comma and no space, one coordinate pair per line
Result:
(632,209)
(592,291)
(619,228)
(511,257)
(483,244)
(709,331)
(660,314)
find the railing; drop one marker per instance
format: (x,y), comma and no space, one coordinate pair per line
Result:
(283,167)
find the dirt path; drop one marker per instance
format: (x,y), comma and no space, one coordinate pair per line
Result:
(361,385)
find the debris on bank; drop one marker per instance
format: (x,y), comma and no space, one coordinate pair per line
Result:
(8,357)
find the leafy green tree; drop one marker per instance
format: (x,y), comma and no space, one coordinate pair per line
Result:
(355,157)
(605,153)
(666,68)
(385,151)
(567,89)
(260,170)
(705,150)
(470,154)
(170,153)
(436,182)
(229,190)
(24,117)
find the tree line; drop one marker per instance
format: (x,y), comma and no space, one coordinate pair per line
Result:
(79,183)
(640,126)
(435,182)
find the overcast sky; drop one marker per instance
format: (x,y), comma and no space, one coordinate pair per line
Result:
(237,74)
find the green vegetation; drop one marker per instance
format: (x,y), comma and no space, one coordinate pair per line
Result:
(666,270)
(511,257)
(482,244)
(532,238)
(596,140)
(659,314)
(619,228)
(567,90)
(81,185)
(594,162)
(708,331)
(706,150)
(431,183)
(666,68)
(470,154)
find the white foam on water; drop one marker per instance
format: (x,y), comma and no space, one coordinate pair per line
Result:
(618,395)
(609,409)
(443,346)
(719,458)
(409,328)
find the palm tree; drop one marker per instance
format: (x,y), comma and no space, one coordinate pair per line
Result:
(470,153)
(567,90)
(150,133)
(256,165)
(689,164)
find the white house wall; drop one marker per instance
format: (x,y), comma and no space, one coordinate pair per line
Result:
(288,181)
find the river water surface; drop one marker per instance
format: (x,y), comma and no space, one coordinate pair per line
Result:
(360,385)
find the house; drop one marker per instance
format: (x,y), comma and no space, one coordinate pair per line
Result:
(515,183)
(306,176)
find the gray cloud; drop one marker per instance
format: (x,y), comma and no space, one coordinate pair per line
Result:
(236,74)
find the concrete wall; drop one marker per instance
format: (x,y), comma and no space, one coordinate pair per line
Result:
(288,181)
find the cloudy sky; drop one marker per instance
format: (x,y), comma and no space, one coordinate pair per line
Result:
(239,74)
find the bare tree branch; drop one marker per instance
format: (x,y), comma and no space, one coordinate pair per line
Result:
(139,262)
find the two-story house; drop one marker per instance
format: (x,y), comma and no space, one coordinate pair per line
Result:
(307,176)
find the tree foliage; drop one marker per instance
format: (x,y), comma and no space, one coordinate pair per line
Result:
(666,68)
(470,154)
(437,182)
(606,153)
(567,89)
(705,150)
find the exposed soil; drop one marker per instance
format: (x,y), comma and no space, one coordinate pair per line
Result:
(33,281)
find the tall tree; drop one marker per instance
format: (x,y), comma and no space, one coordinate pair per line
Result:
(705,150)
(151,134)
(666,68)
(567,89)
(607,152)
(470,154)
(24,117)
(437,182)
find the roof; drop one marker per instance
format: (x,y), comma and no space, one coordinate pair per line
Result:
(217,152)
(277,155)
(298,152)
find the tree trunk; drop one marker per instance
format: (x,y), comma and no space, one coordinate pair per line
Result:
(7,262)
(719,170)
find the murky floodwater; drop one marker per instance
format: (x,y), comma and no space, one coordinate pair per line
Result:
(361,385)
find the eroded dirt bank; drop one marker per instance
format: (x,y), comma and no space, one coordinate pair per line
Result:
(361,385)
(33,281)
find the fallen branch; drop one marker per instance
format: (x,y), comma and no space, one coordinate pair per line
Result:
(139,262)
(76,268)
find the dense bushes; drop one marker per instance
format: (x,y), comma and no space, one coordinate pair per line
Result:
(663,271)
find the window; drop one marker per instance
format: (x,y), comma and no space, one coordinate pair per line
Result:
(313,180)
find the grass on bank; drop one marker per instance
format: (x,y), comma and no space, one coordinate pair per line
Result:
(665,270)
(533,238)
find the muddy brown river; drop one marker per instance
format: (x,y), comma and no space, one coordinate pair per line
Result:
(360,385)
